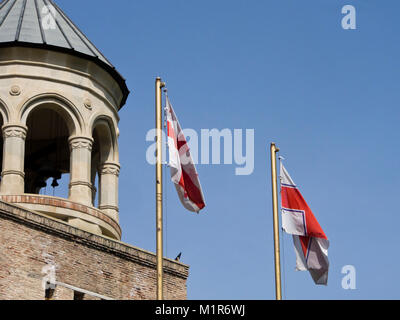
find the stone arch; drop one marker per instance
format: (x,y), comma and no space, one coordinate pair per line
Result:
(47,150)
(49,158)
(4,112)
(102,127)
(4,119)
(57,103)
(105,165)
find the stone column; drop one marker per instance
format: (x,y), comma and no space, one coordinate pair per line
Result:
(80,187)
(12,176)
(108,189)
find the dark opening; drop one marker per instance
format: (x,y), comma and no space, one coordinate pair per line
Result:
(47,155)
(78,295)
(49,293)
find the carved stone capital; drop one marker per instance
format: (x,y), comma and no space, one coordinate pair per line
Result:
(109,168)
(12,131)
(81,142)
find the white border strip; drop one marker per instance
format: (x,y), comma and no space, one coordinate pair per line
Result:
(83,291)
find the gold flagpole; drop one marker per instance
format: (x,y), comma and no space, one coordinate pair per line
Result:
(159,196)
(278,287)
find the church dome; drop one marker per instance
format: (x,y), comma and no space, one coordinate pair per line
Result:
(42,24)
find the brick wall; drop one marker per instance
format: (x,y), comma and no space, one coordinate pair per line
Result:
(35,249)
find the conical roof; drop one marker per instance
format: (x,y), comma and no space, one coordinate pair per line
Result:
(41,23)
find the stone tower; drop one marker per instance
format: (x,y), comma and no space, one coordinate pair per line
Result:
(59,103)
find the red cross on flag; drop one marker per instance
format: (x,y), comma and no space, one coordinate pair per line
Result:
(310,242)
(183,170)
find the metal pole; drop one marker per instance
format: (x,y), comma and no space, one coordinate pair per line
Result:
(159,196)
(278,287)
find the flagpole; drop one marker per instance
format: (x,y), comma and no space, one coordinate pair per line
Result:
(278,287)
(159,196)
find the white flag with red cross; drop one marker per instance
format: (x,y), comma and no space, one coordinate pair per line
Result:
(183,170)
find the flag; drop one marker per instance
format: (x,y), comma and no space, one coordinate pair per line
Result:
(183,170)
(310,242)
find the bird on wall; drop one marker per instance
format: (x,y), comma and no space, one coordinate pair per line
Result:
(178,257)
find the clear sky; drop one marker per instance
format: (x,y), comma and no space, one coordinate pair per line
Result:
(328,97)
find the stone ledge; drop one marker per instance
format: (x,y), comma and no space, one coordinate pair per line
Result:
(61,203)
(60,229)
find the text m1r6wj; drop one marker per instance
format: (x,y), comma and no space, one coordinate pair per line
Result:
(221,309)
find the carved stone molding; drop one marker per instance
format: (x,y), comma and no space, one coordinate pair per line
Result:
(15,90)
(13,172)
(88,104)
(80,183)
(81,142)
(12,131)
(110,168)
(109,207)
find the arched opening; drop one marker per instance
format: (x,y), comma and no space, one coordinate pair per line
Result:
(102,152)
(94,169)
(47,153)
(1,145)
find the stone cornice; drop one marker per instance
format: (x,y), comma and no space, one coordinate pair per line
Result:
(109,100)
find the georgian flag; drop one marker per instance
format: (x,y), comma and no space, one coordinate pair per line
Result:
(183,170)
(310,242)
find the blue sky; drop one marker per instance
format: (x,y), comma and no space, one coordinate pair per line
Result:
(328,97)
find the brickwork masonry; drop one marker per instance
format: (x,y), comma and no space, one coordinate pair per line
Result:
(36,250)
